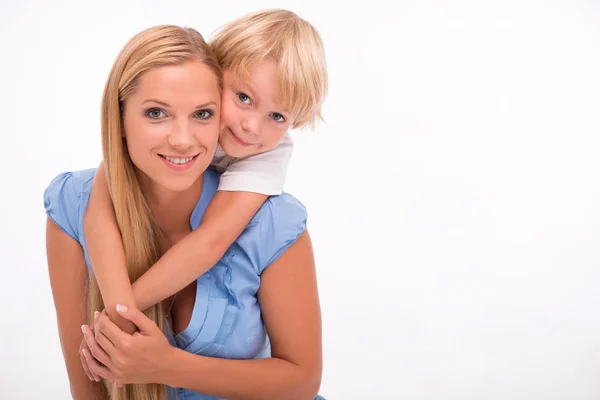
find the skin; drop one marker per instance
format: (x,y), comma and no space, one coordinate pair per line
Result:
(288,293)
(290,308)
(66,263)
(251,110)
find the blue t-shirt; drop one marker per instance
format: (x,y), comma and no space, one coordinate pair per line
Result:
(226,320)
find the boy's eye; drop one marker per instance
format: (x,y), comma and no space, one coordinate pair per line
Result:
(278,117)
(204,114)
(244,98)
(154,113)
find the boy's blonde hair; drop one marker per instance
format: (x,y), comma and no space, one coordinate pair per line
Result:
(289,40)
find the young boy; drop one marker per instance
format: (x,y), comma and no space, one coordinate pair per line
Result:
(275,79)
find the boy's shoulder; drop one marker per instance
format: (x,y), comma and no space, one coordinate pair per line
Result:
(259,173)
(280,154)
(221,160)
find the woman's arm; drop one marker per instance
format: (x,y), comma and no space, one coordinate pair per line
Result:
(69,279)
(290,308)
(224,220)
(105,249)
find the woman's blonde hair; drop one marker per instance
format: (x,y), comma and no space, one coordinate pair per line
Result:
(289,40)
(152,48)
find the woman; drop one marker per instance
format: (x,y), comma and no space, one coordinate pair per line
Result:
(162,101)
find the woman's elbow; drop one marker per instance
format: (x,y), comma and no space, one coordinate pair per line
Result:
(311,384)
(305,386)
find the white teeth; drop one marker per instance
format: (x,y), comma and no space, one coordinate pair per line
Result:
(178,160)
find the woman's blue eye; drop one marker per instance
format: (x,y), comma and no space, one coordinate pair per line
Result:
(204,114)
(154,113)
(243,98)
(278,117)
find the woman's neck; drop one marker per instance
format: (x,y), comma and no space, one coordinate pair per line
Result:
(172,209)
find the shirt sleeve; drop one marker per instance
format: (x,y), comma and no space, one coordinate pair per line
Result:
(263,173)
(61,201)
(274,228)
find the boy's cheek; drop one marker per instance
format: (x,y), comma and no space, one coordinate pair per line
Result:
(276,140)
(227,114)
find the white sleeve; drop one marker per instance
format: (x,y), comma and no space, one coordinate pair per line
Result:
(263,173)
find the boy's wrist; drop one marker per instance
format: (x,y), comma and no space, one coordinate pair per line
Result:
(142,302)
(123,324)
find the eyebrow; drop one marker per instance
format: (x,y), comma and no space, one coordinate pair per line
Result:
(250,89)
(162,103)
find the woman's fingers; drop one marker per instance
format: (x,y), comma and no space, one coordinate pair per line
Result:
(86,369)
(104,343)
(96,351)
(96,368)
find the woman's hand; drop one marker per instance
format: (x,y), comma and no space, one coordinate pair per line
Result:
(83,349)
(137,358)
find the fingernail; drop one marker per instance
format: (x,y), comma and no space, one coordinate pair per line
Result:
(83,328)
(96,313)
(121,308)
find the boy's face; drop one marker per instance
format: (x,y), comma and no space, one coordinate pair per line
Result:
(252,121)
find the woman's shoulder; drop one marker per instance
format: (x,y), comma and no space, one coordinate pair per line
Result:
(283,209)
(74,182)
(275,227)
(62,198)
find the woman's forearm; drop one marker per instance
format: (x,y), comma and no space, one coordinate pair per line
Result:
(89,390)
(70,338)
(290,309)
(260,379)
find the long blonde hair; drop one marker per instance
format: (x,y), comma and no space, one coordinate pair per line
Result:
(152,48)
(292,42)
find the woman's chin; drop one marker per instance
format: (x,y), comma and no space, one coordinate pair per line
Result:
(158,182)
(179,185)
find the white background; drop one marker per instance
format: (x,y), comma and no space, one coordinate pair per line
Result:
(453,193)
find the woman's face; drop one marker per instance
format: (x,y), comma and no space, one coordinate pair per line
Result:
(171,123)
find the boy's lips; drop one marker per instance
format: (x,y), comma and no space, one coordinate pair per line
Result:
(240,141)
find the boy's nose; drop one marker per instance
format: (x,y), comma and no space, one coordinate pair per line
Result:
(251,125)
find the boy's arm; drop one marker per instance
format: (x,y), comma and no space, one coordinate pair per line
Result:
(105,249)
(290,308)
(224,220)
(243,188)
